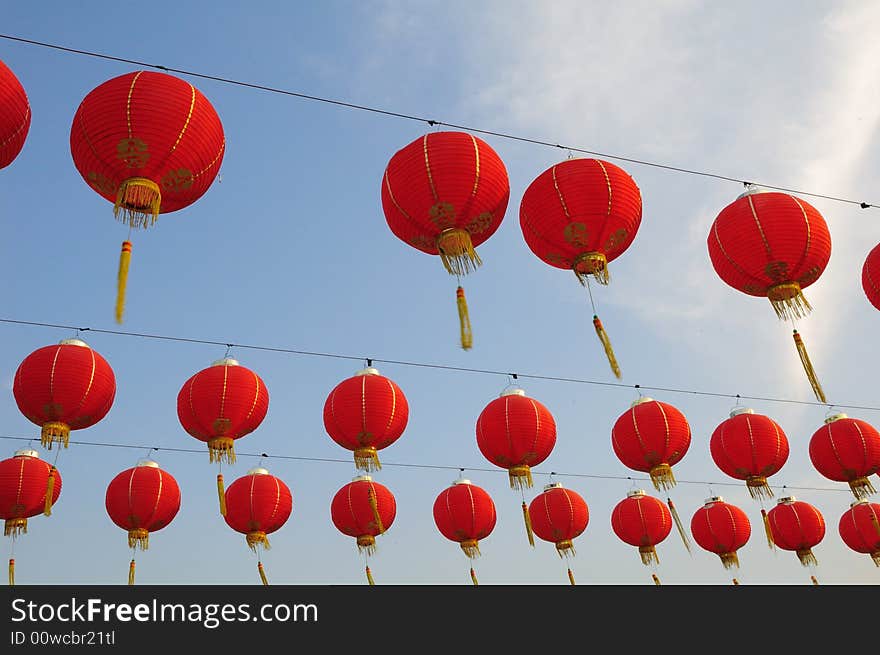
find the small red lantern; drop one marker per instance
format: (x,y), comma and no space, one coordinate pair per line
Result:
(258,504)
(751,447)
(859,528)
(721,528)
(28,487)
(465,513)
(150,143)
(444,194)
(871,276)
(559,515)
(847,450)
(366,413)
(772,245)
(220,404)
(64,387)
(796,526)
(643,521)
(579,215)
(141,500)
(15,116)
(363,509)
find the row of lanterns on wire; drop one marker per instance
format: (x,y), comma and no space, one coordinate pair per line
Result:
(151,143)
(69,386)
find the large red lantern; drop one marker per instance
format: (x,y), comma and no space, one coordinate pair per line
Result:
(859,528)
(579,215)
(444,194)
(141,500)
(772,245)
(721,528)
(796,526)
(643,521)
(28,487)
(363,509)
(257,505)
(465,513)
(150,143)
(847,450)
(220,404)
(871,276)
(366,413)
(559,515)
(64,387)
(15,116)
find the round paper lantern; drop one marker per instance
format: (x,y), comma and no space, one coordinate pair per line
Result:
(859,528)
(366,413)
(444,194)
(465,513)
(559,515)
(15,116)
(773,245)
(64,387)
(871,276)
(579,215)
(721,528)
(796,526)
(751,447)
(141,500)
(150,143)
(643,521)
(847,450)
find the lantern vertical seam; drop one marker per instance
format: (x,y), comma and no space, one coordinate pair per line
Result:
(760,228)
(428,167)
(473,532)
(635,423)
(128,103)
(19,129)
(252,522)
(834,449)
(132,523)
(354,518)
(364,405)
(809,235)
(559,193)
(666,453)
(192,409)
(537,430)
(730,260)
(570,532)
(393,413)
(210,165)
(223,392)
(257,390)
(507,427)
(192,104)
(856,528)
(52,375)
(149,524)
(20,482)
(277,499)
(864,445)
(476,165)
(776,455)
(755,468)
(91,381)
(608,184)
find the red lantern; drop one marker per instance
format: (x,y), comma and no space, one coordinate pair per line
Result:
(366,413)
(220,404)
(28,486)
(444,194)
(141,500)
(796,526)
(751,447)
(465,513)
(64,387)
(859,528)
(363,509)
(15,116)
(721,528)
(257,505)
(847,450)
(151,144)
(581,214)
(559,515)
(643,521)
(772,245)
(871,276)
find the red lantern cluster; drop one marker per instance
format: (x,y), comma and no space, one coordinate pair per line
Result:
(796,526)
(363,509)
(847,450)
(465,513)
(15,116)
(559,515)
(643,521)
(721,528)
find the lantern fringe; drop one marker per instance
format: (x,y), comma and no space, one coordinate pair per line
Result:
(221,449)
(662,477)
(474,577)
(606,344)
(681,531)
(808,367)
(875,556)
(861,487)
(729,560)
(374,506)
(14,527)
(528,521)
(758,487)
(366,544)
(806,556)
(138,200)
(50,491)
(788,301)
(370,577)
(648,555)
(464,320)
(257,538)
(656,579)
(131,572)
(139,538)
(221,494)
(571,577)
(122,279)
(367,459)
(767,531)
(262,572)
(471,548)
(520,476)
(54,431)
(565,548)
(591,263)
(11,572)
(457,252)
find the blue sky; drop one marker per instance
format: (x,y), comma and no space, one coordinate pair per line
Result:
(289,249)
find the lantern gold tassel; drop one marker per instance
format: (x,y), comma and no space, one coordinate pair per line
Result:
(262,574)
(370,577)
(861,487)
(50,491)
(729,560)
(684,537)
(520,476)
(257,538)
(371,495)
(221,449)
(606,344)
(474,577)
(767,531)
(366,543)
(808,367)
(471,548)
(139,538)
(662,476)
(457,252)
(656,579)
(367,459)
(11,572)
(464,321)
(806,556)
(54,431)
(758,487)
(592,263)
(528,522)
(221,494)
(122,279)
(571,577)
(131,572)
(138,199)
(14,527)
(648,555)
